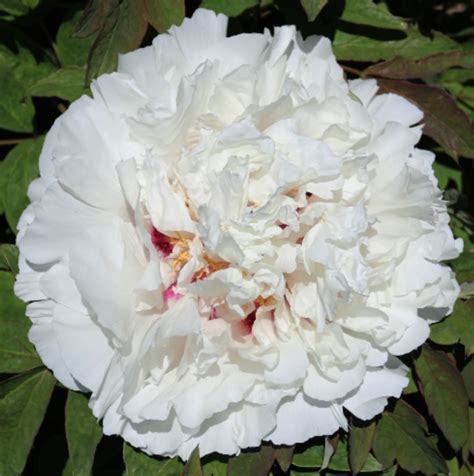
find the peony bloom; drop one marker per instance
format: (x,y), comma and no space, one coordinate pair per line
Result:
(231,243)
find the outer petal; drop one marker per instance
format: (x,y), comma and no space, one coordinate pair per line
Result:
(42,336)
(108,292)
(62,213)
(378,385)
(319,387)
(83,345)
(299,419)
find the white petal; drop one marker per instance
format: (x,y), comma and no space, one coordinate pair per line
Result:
(378,385)
(43,338)
(299,419)
(292,365)
(108,292)
(391,107)
(83,346)
(59,220)
(319,387)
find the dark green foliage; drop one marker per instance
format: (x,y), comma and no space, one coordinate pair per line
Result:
(445,394)
(83,434)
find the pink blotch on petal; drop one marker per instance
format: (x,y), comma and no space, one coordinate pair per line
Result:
(170,294)
(161,242)
(247,323)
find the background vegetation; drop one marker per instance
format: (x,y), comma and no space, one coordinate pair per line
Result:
(50,50)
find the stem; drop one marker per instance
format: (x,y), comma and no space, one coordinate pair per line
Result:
(12,141)
(350,69)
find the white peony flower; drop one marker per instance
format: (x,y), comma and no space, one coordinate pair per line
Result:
(230,243)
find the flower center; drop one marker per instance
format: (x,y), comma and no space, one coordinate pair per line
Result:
(176,252)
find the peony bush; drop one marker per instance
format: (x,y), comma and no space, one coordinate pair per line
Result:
(236,245)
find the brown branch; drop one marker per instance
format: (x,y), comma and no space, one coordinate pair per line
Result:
(13,141)
(350,69)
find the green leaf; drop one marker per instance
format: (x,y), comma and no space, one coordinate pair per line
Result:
(231,8)
(468,377)
(304,473)
(466,95)
(23,403)
(445,174)
(83,434)
(123,30)
(17,354)
(366,12)
(18,70)
(254,462)
(404,68)
(458,327)
(340,460)
(9,258)
(401,435)
(164,13)
(466,470)
(467,290)
(371,465)
(66,83)
(457,75)
(444,121)
(214,468)
(353,47)
(460,228)
(19,168)
(411,387)
(139,464)
(361,436)
(193,465)
(311,457)
(313,8)
(16,110)
(464,265)
(284,456)
(2,182)
(70,49)
(391,471)
(18,7)
(471,433)
(453,466)
(94,17)
(459,83)
(445,395)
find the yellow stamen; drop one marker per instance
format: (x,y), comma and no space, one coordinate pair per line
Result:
(181,260)
(184,256)
(261,301)
(181,242)
(213,265)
